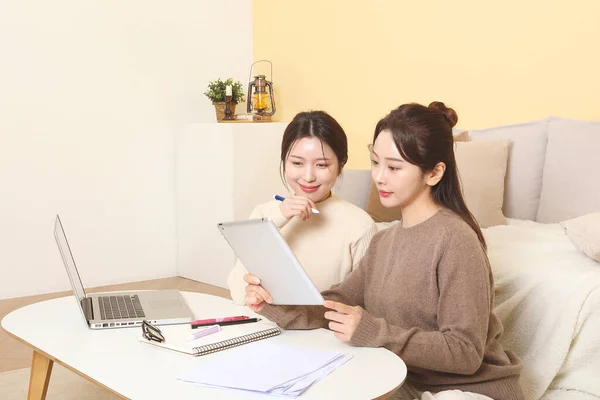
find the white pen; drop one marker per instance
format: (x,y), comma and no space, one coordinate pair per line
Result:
(281,198)
(204,332)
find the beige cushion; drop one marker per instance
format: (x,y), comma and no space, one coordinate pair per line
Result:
(378,212)
(523,183)
(461,136)
(584,233)
(482,168)
(571,183)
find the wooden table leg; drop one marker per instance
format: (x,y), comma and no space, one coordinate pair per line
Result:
(41,368)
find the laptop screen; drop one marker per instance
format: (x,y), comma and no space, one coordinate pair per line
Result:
(67,256)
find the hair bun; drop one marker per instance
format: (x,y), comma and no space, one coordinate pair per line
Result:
(448,113)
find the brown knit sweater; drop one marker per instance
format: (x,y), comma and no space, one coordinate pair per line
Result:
(426,294)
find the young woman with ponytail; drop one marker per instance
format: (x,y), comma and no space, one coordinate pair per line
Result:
(424,289)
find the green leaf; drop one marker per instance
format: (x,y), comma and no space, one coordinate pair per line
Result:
(216,90)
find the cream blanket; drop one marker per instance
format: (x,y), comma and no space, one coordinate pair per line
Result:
(548,298)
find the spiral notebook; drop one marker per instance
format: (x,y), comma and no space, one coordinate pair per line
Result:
(230,336)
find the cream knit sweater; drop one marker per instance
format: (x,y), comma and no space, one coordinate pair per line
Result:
(328,245)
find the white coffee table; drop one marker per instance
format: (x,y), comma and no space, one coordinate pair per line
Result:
(117,361)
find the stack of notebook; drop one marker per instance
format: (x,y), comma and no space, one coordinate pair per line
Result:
(177,338)
(268,368)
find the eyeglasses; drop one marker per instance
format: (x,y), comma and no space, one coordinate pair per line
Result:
(151,332)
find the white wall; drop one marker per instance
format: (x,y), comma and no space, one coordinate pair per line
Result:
(244,161)
(91,95)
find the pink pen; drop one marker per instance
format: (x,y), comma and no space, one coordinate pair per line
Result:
(215,320)
(204,332)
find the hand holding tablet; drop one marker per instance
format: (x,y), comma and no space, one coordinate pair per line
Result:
(256,295)
(267,256)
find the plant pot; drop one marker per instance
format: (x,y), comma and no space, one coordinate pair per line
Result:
(220,110)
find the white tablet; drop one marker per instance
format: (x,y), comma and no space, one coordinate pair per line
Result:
(265,254)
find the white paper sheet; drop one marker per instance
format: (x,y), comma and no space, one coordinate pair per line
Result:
(267,368)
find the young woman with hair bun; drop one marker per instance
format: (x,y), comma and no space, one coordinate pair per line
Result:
(424,289)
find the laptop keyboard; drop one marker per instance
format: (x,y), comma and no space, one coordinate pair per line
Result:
(120,307)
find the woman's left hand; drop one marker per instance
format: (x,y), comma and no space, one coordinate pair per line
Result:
(256,295)
(343,320)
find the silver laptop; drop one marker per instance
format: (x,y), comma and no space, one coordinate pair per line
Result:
(265,254)
(121,309)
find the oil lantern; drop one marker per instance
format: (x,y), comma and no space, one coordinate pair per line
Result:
(261,101)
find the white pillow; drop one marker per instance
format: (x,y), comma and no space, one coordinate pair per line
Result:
(584,233)
(523,184)
(571,185)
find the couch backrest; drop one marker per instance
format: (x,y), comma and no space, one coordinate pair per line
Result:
(523,181)
(354,186)
(552,173)
(571,180)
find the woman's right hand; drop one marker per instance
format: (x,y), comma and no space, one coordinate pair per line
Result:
(256,295)
(297,206)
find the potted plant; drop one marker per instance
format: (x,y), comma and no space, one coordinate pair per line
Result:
(216,93)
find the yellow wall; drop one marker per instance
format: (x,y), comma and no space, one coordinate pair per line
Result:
(495,63)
